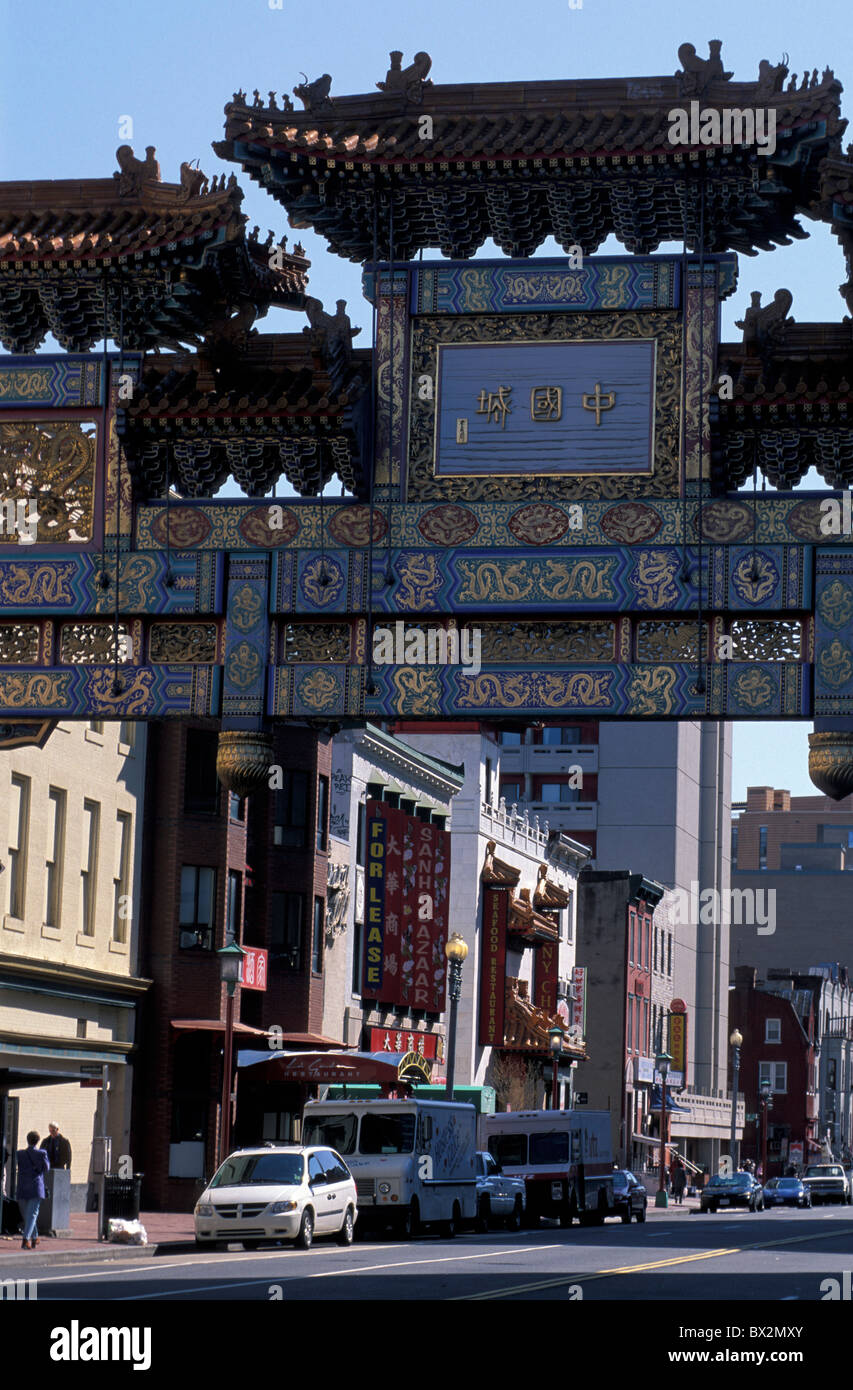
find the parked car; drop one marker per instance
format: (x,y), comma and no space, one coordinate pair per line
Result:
(827,1182)
(732,1190)
(277,1192)
(498,1196)
(787,1192)
(629,1196)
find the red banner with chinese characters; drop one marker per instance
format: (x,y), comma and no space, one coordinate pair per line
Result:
(254,963)
(401,1040)
(545,976)
(493,966)
(577,999)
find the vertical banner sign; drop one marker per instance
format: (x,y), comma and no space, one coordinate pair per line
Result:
(545,976)
(441,910)
(578,999)
(678,1042)
(493,966)
(254,968)
(374,907)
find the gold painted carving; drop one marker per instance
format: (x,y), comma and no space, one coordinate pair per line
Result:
(19,644)
(174,643)
(52,463)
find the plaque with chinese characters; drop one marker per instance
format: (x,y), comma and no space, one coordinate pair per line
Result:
(582,407)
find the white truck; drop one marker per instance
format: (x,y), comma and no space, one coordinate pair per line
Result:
(412,1160)
(564,1158)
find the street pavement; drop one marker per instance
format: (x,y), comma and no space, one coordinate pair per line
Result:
(677,1255)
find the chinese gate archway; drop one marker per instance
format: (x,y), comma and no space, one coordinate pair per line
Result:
(545,458)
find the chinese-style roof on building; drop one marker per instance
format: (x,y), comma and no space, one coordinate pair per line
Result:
(285,405)
(174,260)
(789,407)
(450,165)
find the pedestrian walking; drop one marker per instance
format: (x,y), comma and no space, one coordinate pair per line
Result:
(33,1163)
(57,1147)
(679,1182)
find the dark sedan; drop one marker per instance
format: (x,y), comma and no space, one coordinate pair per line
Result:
(629,1197)
(732,1190)
(786,1192)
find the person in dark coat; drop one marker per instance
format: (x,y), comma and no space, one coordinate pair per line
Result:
(57,1148)
(33,1163)
(679,1182)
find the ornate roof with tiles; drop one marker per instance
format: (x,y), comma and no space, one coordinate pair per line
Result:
(789,405)
(173,260)
(286,405)
(450,165)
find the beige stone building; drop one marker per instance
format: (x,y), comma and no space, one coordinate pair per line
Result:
(71,816)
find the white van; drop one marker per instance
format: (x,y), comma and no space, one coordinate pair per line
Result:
(564,1158)
(412,1160)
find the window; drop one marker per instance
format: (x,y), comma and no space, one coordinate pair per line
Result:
(96,726)
(656,935)
(553,736)
(644,1037)
(630,1022)
(511,792)
(198,895)
(317,936)
(291,811)
(669,954)
(286,930)
(511,738)
(762,847)
(488,781)
(734,844)
(127,732)
(323,813)
(558,791)
(236,807)
(89,875)
(56,849)
(631,937)
(357,948)
(359,835)
(233,905)
(19,824)
(773,1030)
(549,1148)
(201,785)
(510,1150)
(122,879)
(776,1073)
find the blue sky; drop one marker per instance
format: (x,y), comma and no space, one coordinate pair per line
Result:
(69,73)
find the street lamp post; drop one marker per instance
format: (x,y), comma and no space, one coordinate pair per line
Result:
(230,974)
(662,1062)
(736,1041)
(456,950)
(555,1036)
(765,1101)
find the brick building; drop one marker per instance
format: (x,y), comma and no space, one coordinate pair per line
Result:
(777,1017)
(201,893)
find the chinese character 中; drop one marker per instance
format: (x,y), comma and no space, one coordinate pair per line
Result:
(546,403)
(495,405)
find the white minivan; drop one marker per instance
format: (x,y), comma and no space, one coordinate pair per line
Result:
(277,1192)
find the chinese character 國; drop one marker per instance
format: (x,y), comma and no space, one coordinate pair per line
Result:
(546,403)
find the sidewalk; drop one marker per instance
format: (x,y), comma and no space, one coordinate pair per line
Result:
(168,1233)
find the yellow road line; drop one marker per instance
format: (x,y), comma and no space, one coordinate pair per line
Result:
(638,1269)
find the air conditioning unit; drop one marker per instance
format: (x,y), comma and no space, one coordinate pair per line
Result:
(563,988)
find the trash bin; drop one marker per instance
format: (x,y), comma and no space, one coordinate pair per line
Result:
(55,1209)
(121,1199)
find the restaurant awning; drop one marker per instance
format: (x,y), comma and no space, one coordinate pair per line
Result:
(386,1068)
(217,1025)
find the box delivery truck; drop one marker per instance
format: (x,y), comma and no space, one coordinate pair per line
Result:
(564,1158)
(412,1160)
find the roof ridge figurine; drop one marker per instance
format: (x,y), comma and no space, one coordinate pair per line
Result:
(314,95)
(133,172)
(760,323)
(697,73)
(193,181)
(412,80)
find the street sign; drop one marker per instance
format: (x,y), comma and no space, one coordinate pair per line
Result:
(581,1097)
(88,1069)
(678,1006)
(254,967)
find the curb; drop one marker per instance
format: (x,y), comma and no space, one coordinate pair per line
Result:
(106,1252)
